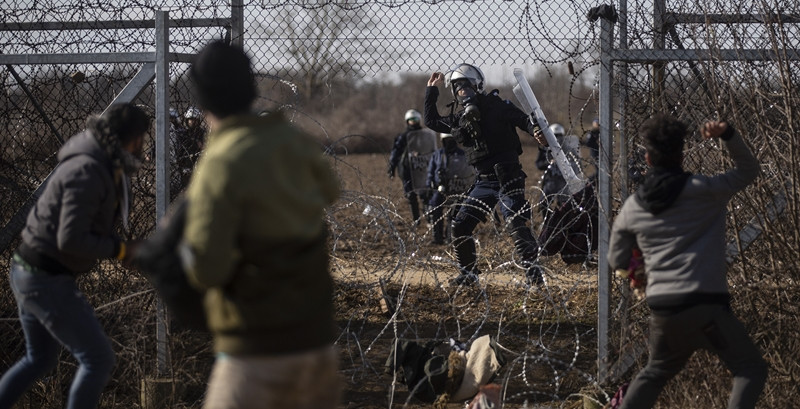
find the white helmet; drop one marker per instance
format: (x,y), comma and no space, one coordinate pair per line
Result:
(446,135)
(465,71)
(193,113)
(413,114)
(557,129)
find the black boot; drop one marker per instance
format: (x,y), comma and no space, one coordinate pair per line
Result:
(412,200)
(465,254)
(525,244)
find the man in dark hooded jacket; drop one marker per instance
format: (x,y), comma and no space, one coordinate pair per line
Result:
(677,220)
(68,230)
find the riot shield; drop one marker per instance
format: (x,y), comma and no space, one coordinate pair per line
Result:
(420,145)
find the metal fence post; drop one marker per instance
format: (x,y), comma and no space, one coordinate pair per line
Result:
(162,167)
(237,22)
(604,195)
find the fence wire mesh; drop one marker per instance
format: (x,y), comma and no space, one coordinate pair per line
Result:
(345,71)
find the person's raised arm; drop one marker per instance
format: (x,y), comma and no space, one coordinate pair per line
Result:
(747,166)
(432,118)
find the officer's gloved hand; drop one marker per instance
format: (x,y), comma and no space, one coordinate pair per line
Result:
(535,128)
(537,133)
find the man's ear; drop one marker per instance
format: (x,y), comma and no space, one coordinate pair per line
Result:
(647,159)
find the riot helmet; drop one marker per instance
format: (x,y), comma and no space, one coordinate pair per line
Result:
(449,142)
(193,113)
(465,77)
(557,130)
(413,115)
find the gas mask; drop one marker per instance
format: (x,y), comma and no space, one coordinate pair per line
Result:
(464,91)
(467,97)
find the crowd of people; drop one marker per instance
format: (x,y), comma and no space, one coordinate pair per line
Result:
(253,241)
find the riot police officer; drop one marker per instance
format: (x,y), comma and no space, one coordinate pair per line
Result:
(449,175)
(411,152)
(486,126)
(554,186)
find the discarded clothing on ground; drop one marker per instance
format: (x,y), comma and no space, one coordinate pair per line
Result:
(440,371)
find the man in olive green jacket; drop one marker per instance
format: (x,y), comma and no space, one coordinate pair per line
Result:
(255,242)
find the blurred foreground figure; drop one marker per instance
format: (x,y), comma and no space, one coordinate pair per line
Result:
(255,241)
(677,220)
(68,230)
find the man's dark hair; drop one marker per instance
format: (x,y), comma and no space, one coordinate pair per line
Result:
(663,138)
(222,79)
(121,121)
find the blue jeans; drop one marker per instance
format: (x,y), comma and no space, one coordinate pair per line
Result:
(53,311)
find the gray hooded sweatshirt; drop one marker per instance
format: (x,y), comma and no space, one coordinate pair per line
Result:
(682,239)
(72,224)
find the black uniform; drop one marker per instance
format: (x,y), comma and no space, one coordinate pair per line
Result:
(493,148)
(411,152)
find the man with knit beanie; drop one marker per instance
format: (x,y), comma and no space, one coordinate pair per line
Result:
(255,241)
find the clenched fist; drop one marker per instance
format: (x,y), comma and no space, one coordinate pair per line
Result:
(436,79)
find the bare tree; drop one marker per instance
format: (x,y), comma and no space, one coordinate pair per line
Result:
(326,41)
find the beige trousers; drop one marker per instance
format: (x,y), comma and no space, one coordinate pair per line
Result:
(300,381)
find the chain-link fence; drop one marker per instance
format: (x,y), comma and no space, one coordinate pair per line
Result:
(346,72)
